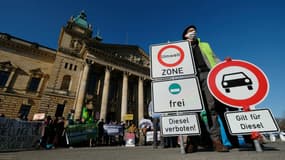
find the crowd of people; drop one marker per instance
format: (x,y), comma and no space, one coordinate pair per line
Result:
(52,132)
(107,133)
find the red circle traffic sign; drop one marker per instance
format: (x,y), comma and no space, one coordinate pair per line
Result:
(257,97)
(170,64)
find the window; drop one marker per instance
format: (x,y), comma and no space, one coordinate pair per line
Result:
(70,66)
(7,70)
(4,75)
(24,111)
(35,79)
(75,67)
(65,66)
(59,110)
(65,82)
(34,84)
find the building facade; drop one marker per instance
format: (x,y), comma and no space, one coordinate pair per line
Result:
(110,80)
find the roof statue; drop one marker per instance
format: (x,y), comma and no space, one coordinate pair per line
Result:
(81,20)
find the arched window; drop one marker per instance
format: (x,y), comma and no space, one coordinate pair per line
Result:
(65,82)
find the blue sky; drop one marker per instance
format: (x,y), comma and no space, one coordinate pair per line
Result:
(251,30)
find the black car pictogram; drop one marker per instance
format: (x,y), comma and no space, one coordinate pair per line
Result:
(236,80)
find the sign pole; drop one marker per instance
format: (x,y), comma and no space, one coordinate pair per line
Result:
(254,135)
(182,150)
(257,146)
(155,133)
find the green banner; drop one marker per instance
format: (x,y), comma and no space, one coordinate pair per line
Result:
(81,132)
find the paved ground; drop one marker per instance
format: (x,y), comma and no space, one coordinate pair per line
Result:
(272,151)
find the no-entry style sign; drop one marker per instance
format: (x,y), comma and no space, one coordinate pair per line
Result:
(171,59)
(238,83)
(176,95)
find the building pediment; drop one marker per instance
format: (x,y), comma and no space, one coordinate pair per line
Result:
(131,53)
(37,71)
(7,65)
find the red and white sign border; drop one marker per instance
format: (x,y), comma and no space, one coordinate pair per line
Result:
(180,50)
(259,96)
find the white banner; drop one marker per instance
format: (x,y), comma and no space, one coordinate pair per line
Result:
(149,136)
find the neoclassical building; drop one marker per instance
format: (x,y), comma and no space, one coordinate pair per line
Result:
(111,80)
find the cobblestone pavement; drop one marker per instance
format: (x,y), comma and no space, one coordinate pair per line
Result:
(272,151)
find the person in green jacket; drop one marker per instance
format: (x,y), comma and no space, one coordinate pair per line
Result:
(204,59)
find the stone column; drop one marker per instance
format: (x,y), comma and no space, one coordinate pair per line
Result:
(105,94)
(81,93)
(140,99)
(124,96)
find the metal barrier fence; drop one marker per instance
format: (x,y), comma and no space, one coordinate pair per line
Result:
(19,135)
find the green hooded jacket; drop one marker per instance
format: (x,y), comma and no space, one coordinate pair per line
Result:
(208,54)
(211,60)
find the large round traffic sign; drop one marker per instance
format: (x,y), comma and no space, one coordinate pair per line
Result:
(238,83)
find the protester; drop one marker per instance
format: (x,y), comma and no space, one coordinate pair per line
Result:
(122,134)
(100,139)
(59,128)
(204,59)
(48,133)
